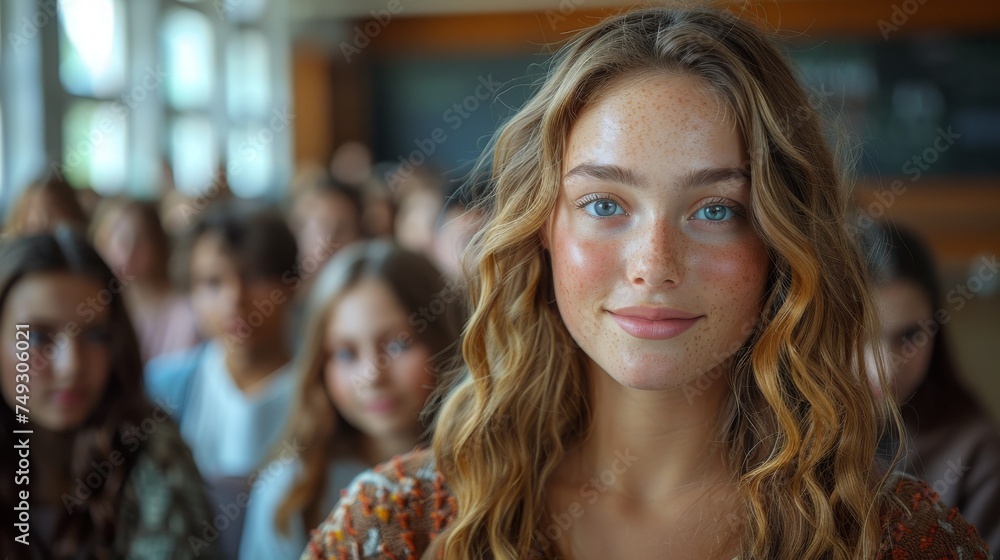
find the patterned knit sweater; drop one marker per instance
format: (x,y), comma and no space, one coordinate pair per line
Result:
(394,510)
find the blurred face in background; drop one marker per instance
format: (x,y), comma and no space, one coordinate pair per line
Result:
(377,372)
(905,311)
(452,238)
(230,305)
(323,223)
(42,211)
(416,218)
(131,251)
(69,354)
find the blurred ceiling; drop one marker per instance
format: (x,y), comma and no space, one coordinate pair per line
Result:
(311,10)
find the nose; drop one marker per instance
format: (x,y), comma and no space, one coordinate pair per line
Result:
(68,359)
(375,371)
(235,296)
(655,255)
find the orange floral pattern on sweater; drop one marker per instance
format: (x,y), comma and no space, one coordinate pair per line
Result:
(393,511)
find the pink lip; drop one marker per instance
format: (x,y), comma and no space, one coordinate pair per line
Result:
(67,397)
(653,323)
(381,406)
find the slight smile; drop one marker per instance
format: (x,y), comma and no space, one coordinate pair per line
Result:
(653,323)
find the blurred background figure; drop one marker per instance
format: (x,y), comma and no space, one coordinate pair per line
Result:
(325,217)
(954,443)
(43,206)
(233,392)
(366,370)
(103,221)
(351,163)
(110,476)
(456,224)
(380,208)
(133,242)
(420,199)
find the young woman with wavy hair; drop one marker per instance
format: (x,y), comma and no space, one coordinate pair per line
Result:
(670,316)
(382,326)
(108,475)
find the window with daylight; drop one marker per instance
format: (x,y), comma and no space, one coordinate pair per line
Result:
(95,146)
(92,70)
(189,59)
(194,153)
(250,148)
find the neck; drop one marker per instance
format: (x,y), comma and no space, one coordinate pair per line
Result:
(248,363)
(143,295)
(55,451)
(659,445)
(380,450)
(152,286)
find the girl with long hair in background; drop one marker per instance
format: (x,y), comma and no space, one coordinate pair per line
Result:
(108,476)
(382,324)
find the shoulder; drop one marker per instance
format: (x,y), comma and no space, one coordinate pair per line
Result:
(175,363)
(923,527)
(163,503)
(261,538)
(165,465)
(167,376)
(270,484)
(285,382)
(395,509)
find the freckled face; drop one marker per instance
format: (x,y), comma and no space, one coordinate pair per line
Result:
(658,274)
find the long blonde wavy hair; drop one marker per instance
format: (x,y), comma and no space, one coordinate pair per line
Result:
(804,420)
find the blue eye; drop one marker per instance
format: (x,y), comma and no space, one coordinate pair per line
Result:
(715,213)
(603,208)
(398,346)
(98,335)
(39,337)
(344,355)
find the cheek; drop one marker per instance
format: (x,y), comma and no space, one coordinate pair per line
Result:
(264,302)
(579,262)
(338,386)
(8,384)
(204,303)
(912,371)
(333,380)
(413,376)
(733,277)
(99,370)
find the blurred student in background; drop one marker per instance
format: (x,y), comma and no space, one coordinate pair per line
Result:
(351,163)
(133,242)
(456,225)
(232,393)
(421,200)
(954,443)
(380,209)
(366,369)
(44,205)
(325,218)
(110,477)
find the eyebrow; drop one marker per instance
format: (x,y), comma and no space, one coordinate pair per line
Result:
(616,174)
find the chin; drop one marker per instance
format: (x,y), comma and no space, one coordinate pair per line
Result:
(643,376)
(658,373)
